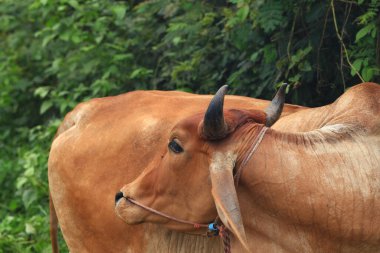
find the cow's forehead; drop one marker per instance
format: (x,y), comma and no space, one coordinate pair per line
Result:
(189,124)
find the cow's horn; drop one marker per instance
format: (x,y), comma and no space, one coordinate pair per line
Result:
(274,110)
(214,126)
(225,196)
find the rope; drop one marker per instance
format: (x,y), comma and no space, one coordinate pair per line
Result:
(195,224)
(252,150)
(225,235)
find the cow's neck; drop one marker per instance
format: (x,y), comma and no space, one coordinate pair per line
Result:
(313,192)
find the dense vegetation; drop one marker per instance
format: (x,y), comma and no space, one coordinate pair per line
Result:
(54,54)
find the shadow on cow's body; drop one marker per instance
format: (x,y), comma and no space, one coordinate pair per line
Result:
(105,143)
(308,191)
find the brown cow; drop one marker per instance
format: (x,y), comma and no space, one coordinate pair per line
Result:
(309,191)
(107,142)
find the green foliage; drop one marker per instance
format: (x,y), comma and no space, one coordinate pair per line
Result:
(24,196)
(55,54)
(366,42)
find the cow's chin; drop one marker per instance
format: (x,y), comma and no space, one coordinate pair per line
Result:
(129,212)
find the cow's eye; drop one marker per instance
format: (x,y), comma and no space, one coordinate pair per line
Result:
(175,147)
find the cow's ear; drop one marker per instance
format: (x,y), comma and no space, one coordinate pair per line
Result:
(225,196)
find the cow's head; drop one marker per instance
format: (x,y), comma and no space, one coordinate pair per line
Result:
(191,178)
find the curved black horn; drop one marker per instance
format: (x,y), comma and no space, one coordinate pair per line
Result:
(274,110)
(214,126)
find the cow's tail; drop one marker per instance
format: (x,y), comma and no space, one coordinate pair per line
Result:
(53,227)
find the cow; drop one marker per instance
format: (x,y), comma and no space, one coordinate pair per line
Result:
(106,142)
(315,189)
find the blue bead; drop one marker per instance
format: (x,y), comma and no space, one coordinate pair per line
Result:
(212,227)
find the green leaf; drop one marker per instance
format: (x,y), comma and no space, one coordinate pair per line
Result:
(208,19)
(119,11)
(87,48)
(20,182)
(294,80)
(47,39)
(99,39)
(140,72)
(28,197)
(297,58)
(357,65)
(367,74)
(13,205)
(254,57)
(121,57)
(46,105)
(41,91)
(305,66)
(236,1)
(74,4)
(242,13)
(63,106)
(76,38)
(270,16)
(181,26)
(29,229)
(176,40)
(270,53)
(169,10)
(363,32)
(65,36)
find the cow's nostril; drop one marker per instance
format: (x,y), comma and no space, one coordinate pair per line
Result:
(118,196)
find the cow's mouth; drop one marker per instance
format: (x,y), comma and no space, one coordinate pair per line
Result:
(129,212)
(125,201)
